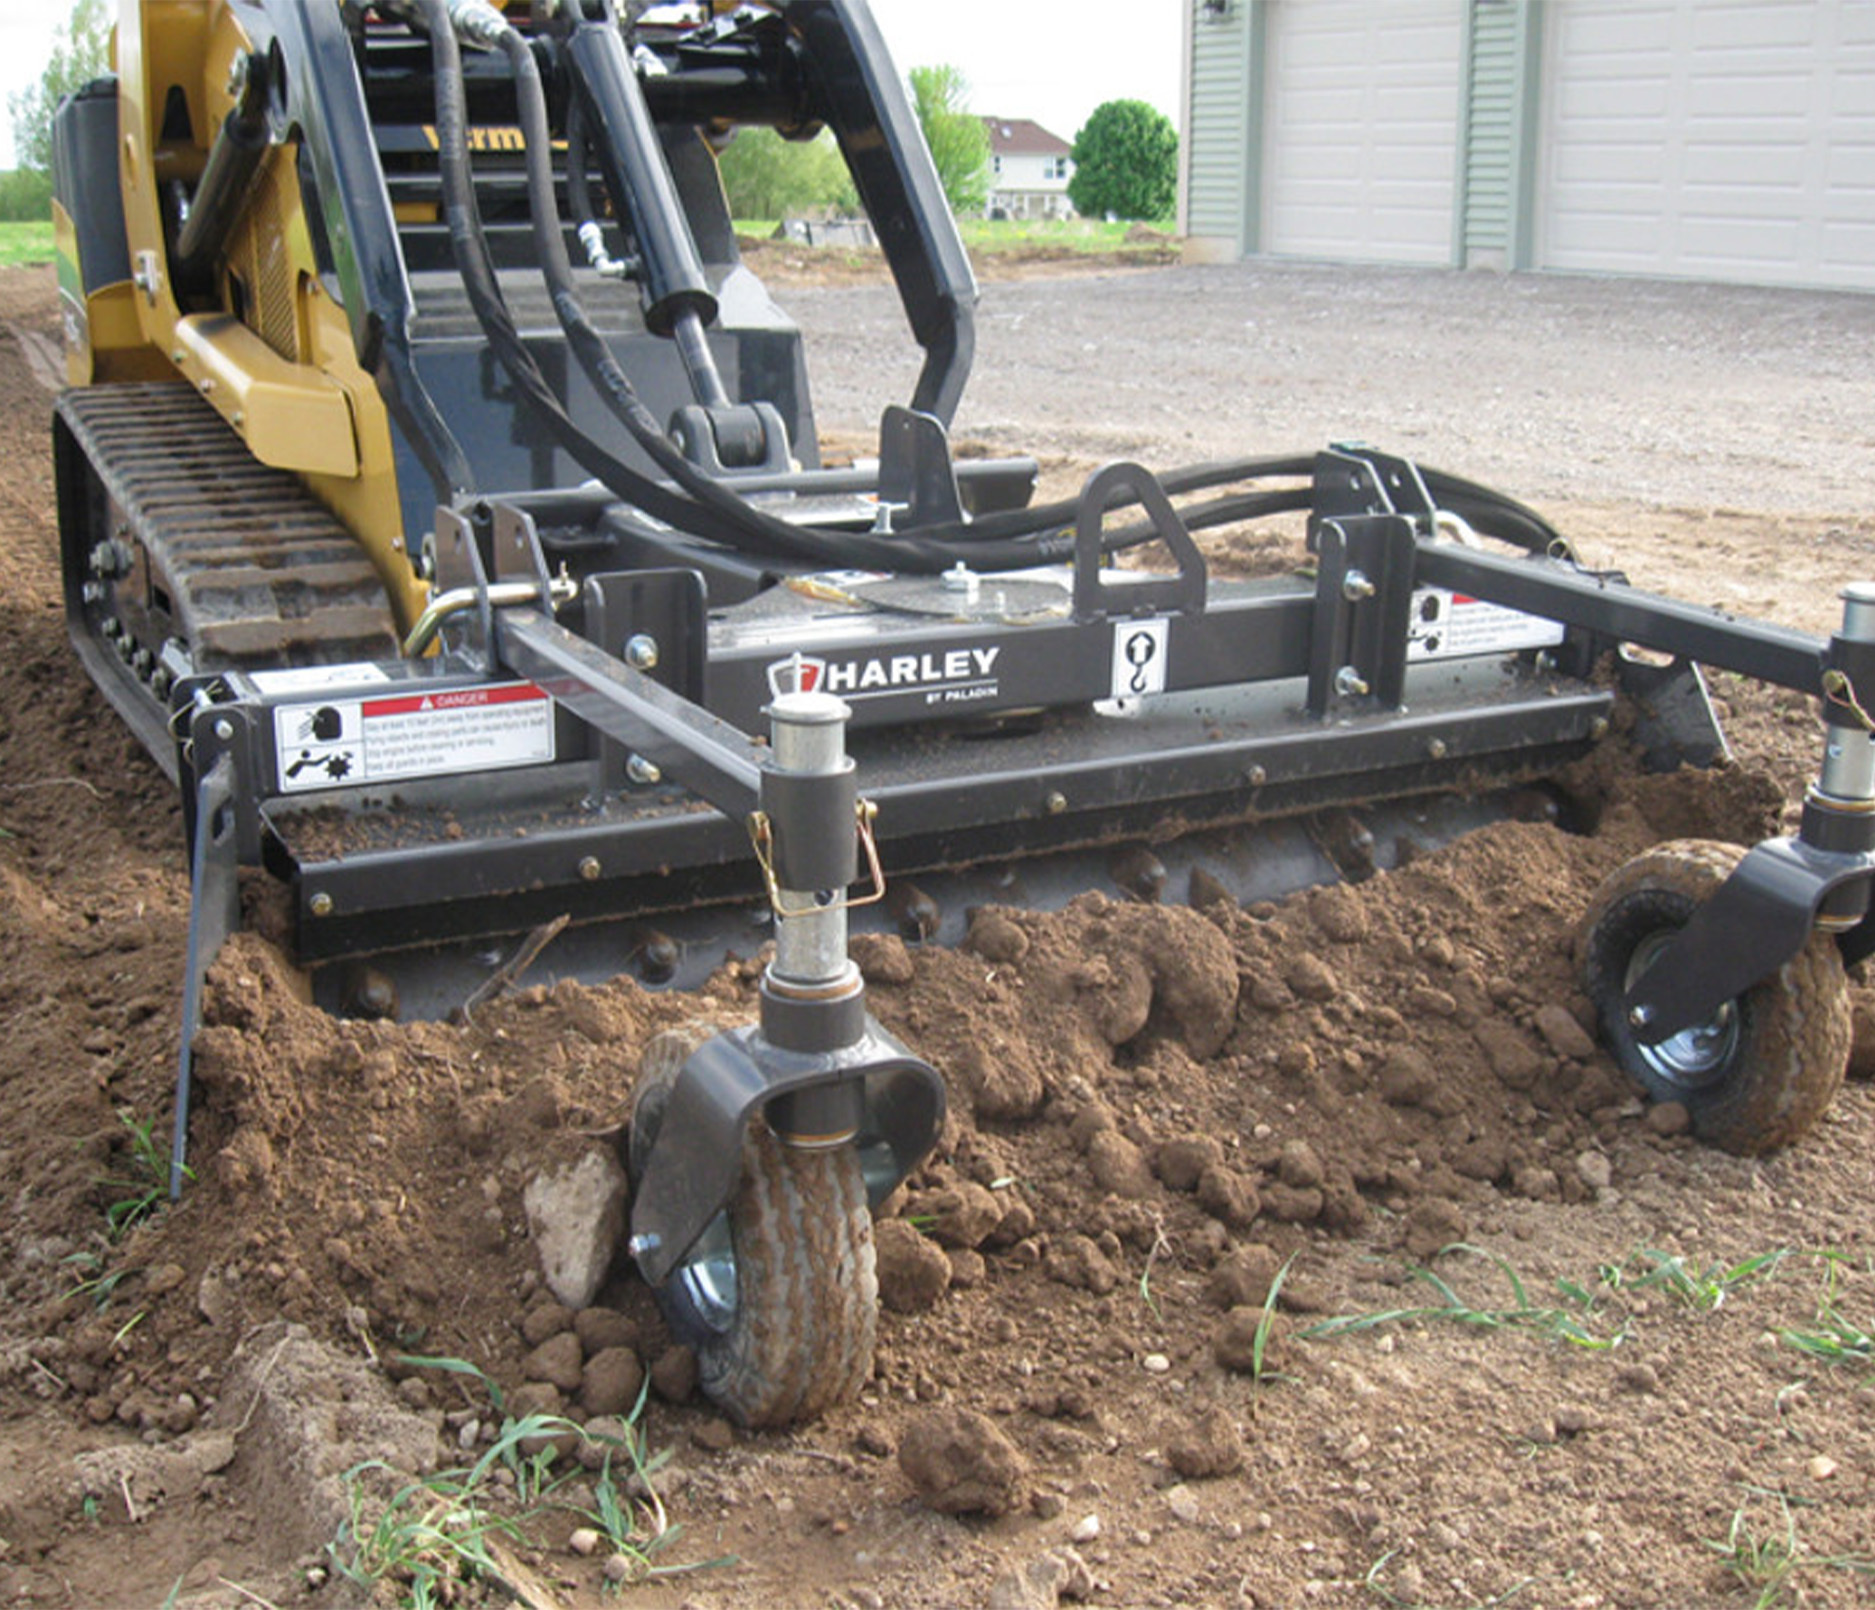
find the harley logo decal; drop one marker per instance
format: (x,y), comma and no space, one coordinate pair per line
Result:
(950,676)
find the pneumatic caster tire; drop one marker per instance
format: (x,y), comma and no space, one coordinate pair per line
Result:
(779,1298)
(1761,1072)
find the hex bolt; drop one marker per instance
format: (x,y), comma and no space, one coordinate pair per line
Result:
(1350,684)
(1355,587)
(1435,747)
(589,868)
(1640,1016)
(639,1245)
(1598,728)
(1257,776)
(641,652)
(320,905)
(1055,803)
(224,730)
(642,771)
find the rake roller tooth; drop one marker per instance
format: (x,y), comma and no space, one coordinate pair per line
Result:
(1138,872)
(916,914)
(657,955)
(368,993)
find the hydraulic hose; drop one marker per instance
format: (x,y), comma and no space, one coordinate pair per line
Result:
(702,506)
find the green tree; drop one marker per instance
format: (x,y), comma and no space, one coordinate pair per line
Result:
(81,50)
(960,144)
(1125,163)
(25,196)
(765,176)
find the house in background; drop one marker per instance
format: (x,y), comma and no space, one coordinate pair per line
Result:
(1029,170)
(1728,140)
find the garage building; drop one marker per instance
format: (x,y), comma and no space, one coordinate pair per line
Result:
(1697,139)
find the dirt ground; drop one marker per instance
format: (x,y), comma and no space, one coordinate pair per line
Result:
(1590,1394)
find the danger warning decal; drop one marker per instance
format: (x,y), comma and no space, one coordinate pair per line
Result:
(405,735)
(1452,626)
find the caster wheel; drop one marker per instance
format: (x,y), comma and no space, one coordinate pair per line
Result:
(1761,1071)
(779,1298)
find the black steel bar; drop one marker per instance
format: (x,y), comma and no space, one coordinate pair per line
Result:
(214,914)
(858,93)
(714,760)
(626,144)
(1558,591)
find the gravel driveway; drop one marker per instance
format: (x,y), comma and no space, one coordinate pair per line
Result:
(1683,395)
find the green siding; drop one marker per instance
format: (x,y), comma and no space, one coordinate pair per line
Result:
(1225,149)
(1497,150)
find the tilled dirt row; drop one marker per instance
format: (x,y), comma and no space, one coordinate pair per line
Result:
(1530,1338)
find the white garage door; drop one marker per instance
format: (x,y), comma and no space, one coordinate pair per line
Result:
(1711,139)
(1360,139)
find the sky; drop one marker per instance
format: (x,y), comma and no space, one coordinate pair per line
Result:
(26,30)
(1052,61)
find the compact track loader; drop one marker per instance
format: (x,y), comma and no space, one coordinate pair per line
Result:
(441,505)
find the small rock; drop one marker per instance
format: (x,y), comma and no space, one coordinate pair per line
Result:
(1572,1419)
(1563,1034)
(1208,1446)
(1243,1279)
(1119,1166)
(600,1328)
(1287,1205)
(1184,1158)
(576,1215)
(1235,1344)
(1820,1468)
(1001,1087)
(1035,1586)
(558,1360)
(1433,1223)
(968,1268)
(1311,977)
(163,1278)
(674,1374)
(604,1442)
(1085,1530)
(1594,1170)
(215,1299)
(1667,1119)
(1300,1167)
(882,958)
(996,938)
(543,1320)
(1183,1503)
(1228,1196)
(1512,1059)
(963,1216)
(714,1435)
(611,1381)
(959,1463)
(1156,1364)
(583,1540)
(1407,1077)
(914,1274)
(1641,1378)
(1077,1261)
